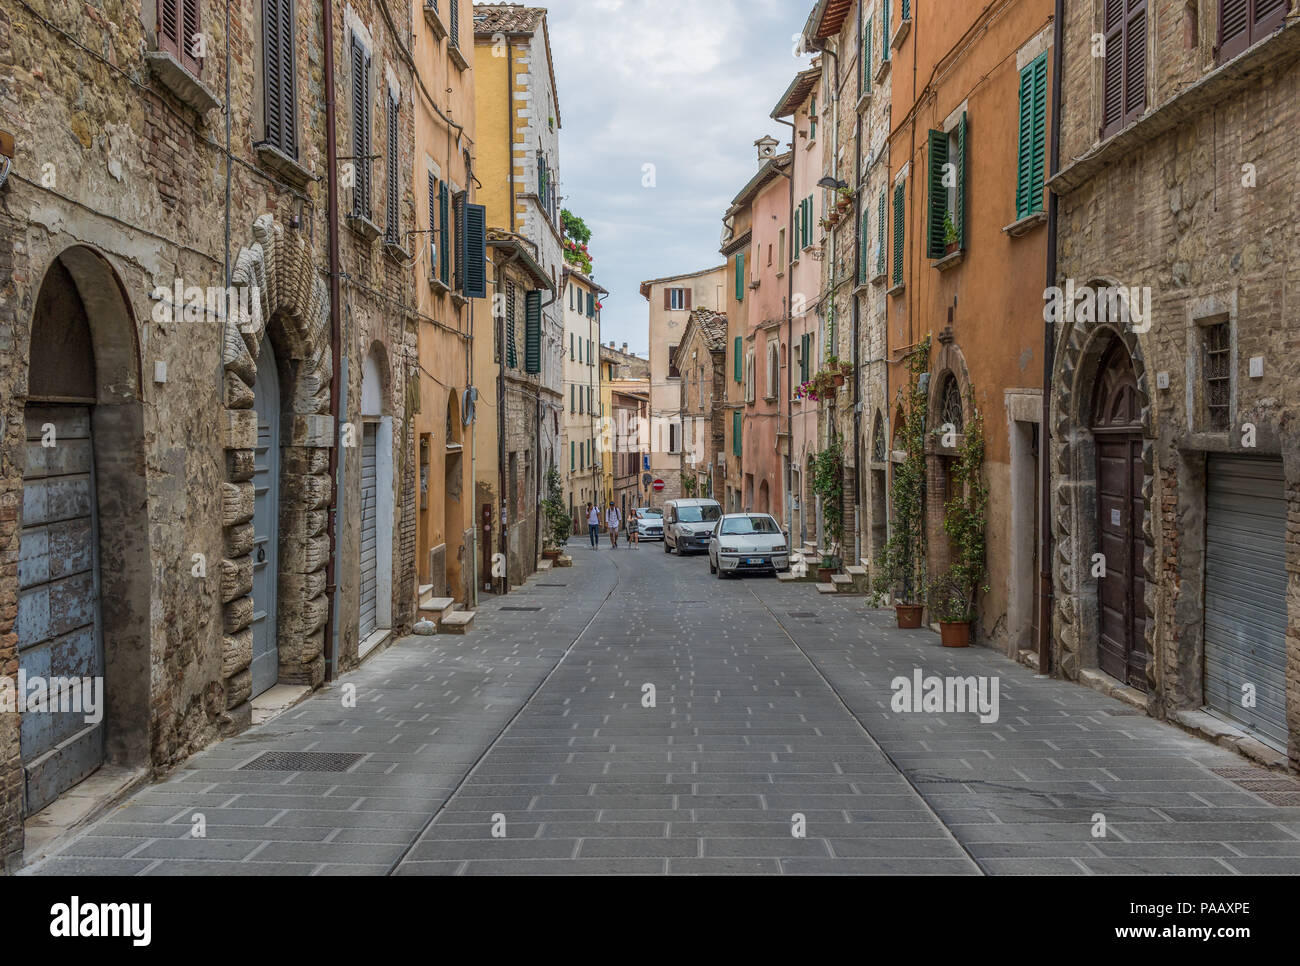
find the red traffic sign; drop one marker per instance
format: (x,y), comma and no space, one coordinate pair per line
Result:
(658,485)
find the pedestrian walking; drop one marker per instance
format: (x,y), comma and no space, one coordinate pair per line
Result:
(612,523)
(633,532)
(593,525)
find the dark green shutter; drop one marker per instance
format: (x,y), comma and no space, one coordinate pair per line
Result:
(444,246)
(959,216)
(795,245)
(458,212)
(907,10)
(512,357)
(533,331)
(433,225)
(882,240)
(938,193)
(735,359)
(865,82)
(884,30)
(805,357)
(862,247)
(808,221)
(740,276)
(898,232)
(573,453)
(1038,146)
(736,429)
(475,251)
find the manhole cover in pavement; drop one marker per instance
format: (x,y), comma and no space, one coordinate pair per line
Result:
(799,613)
(1280,798)
(302,761)
(1274,789)
(1240,772)
(521,608)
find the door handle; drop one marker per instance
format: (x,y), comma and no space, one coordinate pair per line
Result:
(261,554)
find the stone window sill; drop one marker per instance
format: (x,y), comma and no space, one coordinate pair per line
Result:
(457,58)
(864,102)
(950,261)
(438,286)
(1025,225)
(434,21)
(396,252)
(180,81)
(879,278)
(279,163)
(897,289)
(904,28)
(882,71)
(364,227)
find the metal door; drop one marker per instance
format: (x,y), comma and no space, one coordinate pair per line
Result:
(1116,426)
(266,522)
(1245,594)
(60,646)
(369,541)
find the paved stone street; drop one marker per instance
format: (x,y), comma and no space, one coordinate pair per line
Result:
(534,745)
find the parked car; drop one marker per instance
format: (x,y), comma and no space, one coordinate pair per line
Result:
(649,523)
(747,543)
(688,523)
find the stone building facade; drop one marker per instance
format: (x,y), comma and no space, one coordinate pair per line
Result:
(1175,454)
(582,442)
(701,360)
(167,354)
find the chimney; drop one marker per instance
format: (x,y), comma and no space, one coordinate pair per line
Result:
(624,348)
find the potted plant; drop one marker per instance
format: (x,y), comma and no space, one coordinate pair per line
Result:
(557,517)
(828,483)
(900,568)
(844,199)
(833,218)
(965,520)
(949,233)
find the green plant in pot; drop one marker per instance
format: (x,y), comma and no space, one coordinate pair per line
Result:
(952,599)
(950,238)
(900,567)
(558,521)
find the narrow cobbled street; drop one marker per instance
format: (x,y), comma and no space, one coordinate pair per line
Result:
(633,714)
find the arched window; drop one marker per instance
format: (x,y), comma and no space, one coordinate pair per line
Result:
(950,410)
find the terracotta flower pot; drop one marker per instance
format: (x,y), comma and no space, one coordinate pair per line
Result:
(951,247)
(954,633)
(908,615)
(824,574)
(843,205)
(551,555)
(839,381)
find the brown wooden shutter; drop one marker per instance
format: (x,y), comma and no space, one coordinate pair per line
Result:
(1234,28)
(668,298)
(361,130)
(1135,60)
(392,221)
(1113,89)
(686,292)
(1268,16)
(278,84)
(1124,95)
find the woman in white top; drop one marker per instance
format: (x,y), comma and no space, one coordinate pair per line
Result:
(612,521)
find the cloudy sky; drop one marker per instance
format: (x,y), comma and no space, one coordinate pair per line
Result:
(685,85)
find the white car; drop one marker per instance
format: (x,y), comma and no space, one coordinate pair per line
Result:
(748,543)
(649,523)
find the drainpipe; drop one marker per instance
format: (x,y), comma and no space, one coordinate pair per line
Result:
(336,342)
(1049,353)
(789,344)
(510,125)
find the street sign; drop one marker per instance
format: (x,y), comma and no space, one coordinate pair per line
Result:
(659,485)
(646,479)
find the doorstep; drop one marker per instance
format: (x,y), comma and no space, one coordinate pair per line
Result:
(276,700)
(375,639)
(1228,735)
(44,832)
(1107,685)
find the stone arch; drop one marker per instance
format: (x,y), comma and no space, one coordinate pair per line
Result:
(949,368)
(1082,345)
(82,308)
(278,293)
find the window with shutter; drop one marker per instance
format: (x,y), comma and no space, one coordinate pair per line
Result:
(864,74)
(392,226)
(360,131)
(735,360)
(444,244)
(1125,66)
(573,398)
(898,232)
(907,10)
(1244,23)
(533,332)
(460,238)
(796,238)
(1032,150)
(433,225)
(573,449)
(178,26)
(454,26)
(884,29)
(740,276)
(882,209)
(959,214)
(475,251)
(938,193)
(737,426)
(512,355)
(279,102)
(863,237)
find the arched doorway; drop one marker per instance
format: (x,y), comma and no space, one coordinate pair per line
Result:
(878,482)
(266,521)
(1116,423)
(83,575)
(763,497)
(377,502)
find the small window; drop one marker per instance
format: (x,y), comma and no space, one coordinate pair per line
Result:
(1217,349)
(677,299)
(673,372)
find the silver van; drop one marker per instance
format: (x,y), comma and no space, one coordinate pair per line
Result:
(688,525)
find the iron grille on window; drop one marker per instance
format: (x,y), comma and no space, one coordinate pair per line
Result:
(1218,376)
(951,406)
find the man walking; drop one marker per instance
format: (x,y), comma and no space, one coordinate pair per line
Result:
(612,522)
(593,525)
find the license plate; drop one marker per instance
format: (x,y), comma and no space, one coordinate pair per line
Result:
(752,561)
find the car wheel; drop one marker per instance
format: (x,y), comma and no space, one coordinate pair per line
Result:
(666,547)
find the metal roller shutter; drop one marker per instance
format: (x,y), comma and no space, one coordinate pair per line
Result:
(369,555)
(1245,592)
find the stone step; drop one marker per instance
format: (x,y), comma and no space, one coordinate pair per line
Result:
(786,577)
(564,561)
(856,571)
(436,608)
(827,589)
(456,622)
(865,561)
(841,580)
(543,566)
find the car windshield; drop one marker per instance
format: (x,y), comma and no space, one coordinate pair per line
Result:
(738,525)
(645,514)
(698,514)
